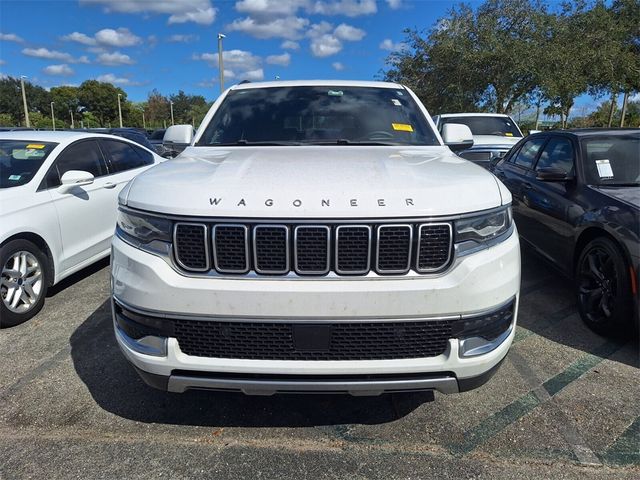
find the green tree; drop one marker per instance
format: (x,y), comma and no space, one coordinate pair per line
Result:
(66,100)
(101,99)
(157,110)
(185,106)
(38,99)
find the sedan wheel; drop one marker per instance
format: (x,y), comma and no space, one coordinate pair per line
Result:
(23,281)
(602,286)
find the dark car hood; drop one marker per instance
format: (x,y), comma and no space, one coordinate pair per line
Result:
(628,195)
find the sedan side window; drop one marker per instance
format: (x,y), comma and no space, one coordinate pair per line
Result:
(125,156)
(528,153)
(85,156)
(558,153)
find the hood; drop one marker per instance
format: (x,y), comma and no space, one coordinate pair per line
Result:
(316,182)
(628,195)
(495,140)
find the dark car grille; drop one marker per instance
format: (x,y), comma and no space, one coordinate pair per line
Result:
(337,341)
(354,249)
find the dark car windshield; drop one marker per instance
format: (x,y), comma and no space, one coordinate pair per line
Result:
(20,160)
(318,116)
(485,125)
(612,160)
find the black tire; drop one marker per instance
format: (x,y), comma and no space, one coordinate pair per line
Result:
(10,318)
(603,287)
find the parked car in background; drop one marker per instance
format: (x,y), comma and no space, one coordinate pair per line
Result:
(134,134)
(493,134)
(58,205)
(576,200)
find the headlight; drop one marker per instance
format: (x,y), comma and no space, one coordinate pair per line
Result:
(144,230)
(479,231)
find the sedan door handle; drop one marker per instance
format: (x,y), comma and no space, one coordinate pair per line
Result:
(110,185)
(527,186)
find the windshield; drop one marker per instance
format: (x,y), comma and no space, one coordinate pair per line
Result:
(612,160)
(318,116)
(20,160)
(484,125)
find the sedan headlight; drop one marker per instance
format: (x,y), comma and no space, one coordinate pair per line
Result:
(480,231)
(144,231)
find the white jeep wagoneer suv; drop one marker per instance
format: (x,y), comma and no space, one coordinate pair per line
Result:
(316,236)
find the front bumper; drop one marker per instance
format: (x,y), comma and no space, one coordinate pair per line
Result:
(475,284)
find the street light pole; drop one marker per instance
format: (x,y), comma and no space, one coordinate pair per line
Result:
(119,110)
(53,118)
(71,113)
(220,62)
(24,102)
(144,124)
(171,105)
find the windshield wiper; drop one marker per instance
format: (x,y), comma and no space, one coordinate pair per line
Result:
(246,143)
(344,141)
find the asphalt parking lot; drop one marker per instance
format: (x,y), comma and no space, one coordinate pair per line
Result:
(565,404)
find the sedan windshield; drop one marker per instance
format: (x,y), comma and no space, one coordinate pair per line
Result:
(318,116)
(612,160)
(485,125)
(20,160)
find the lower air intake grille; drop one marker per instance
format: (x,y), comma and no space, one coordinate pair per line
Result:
(191,246)
(344,341)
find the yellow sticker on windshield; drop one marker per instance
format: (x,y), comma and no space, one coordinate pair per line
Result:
(402,127)
(32,145)
(509,134)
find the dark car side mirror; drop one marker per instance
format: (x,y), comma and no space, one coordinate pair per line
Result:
(553,174)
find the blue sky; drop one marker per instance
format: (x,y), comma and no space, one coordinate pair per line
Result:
(171,45)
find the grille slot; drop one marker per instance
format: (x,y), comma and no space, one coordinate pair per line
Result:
(394,248)
(311,249)
(190,240)
(231,248)
(353,249)
(271,249)
(349,341)
(434,247)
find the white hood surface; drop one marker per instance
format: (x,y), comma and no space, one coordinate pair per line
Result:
(486,140)
(315,182)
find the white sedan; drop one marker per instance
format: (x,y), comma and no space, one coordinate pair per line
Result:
(58,208)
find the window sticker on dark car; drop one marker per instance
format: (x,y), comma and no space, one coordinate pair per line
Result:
(604,168)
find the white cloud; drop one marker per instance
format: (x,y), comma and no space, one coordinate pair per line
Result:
(62,69)
(389,45)
(290,45)
(2,62)
(48,54)
(80,38)
(287,27)
(349,8)
(107,37)
(394,4)
(283,60)
(115,58)
(349,33)
(11,37)
(327,41)
(270,8)
(197,11)
(253,75)
(121,37)
(338,66)
(183,38)
(111,78)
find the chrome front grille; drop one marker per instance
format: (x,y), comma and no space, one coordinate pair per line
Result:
(307,249)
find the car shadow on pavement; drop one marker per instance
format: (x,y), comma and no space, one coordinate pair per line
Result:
(548,309)
(77,277)
(116,388)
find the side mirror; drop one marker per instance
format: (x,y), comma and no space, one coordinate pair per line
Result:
(178,135)
(457,136)
(553,174)
(74,178)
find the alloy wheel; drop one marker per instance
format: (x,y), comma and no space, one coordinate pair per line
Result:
(597,285)
(21,282)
